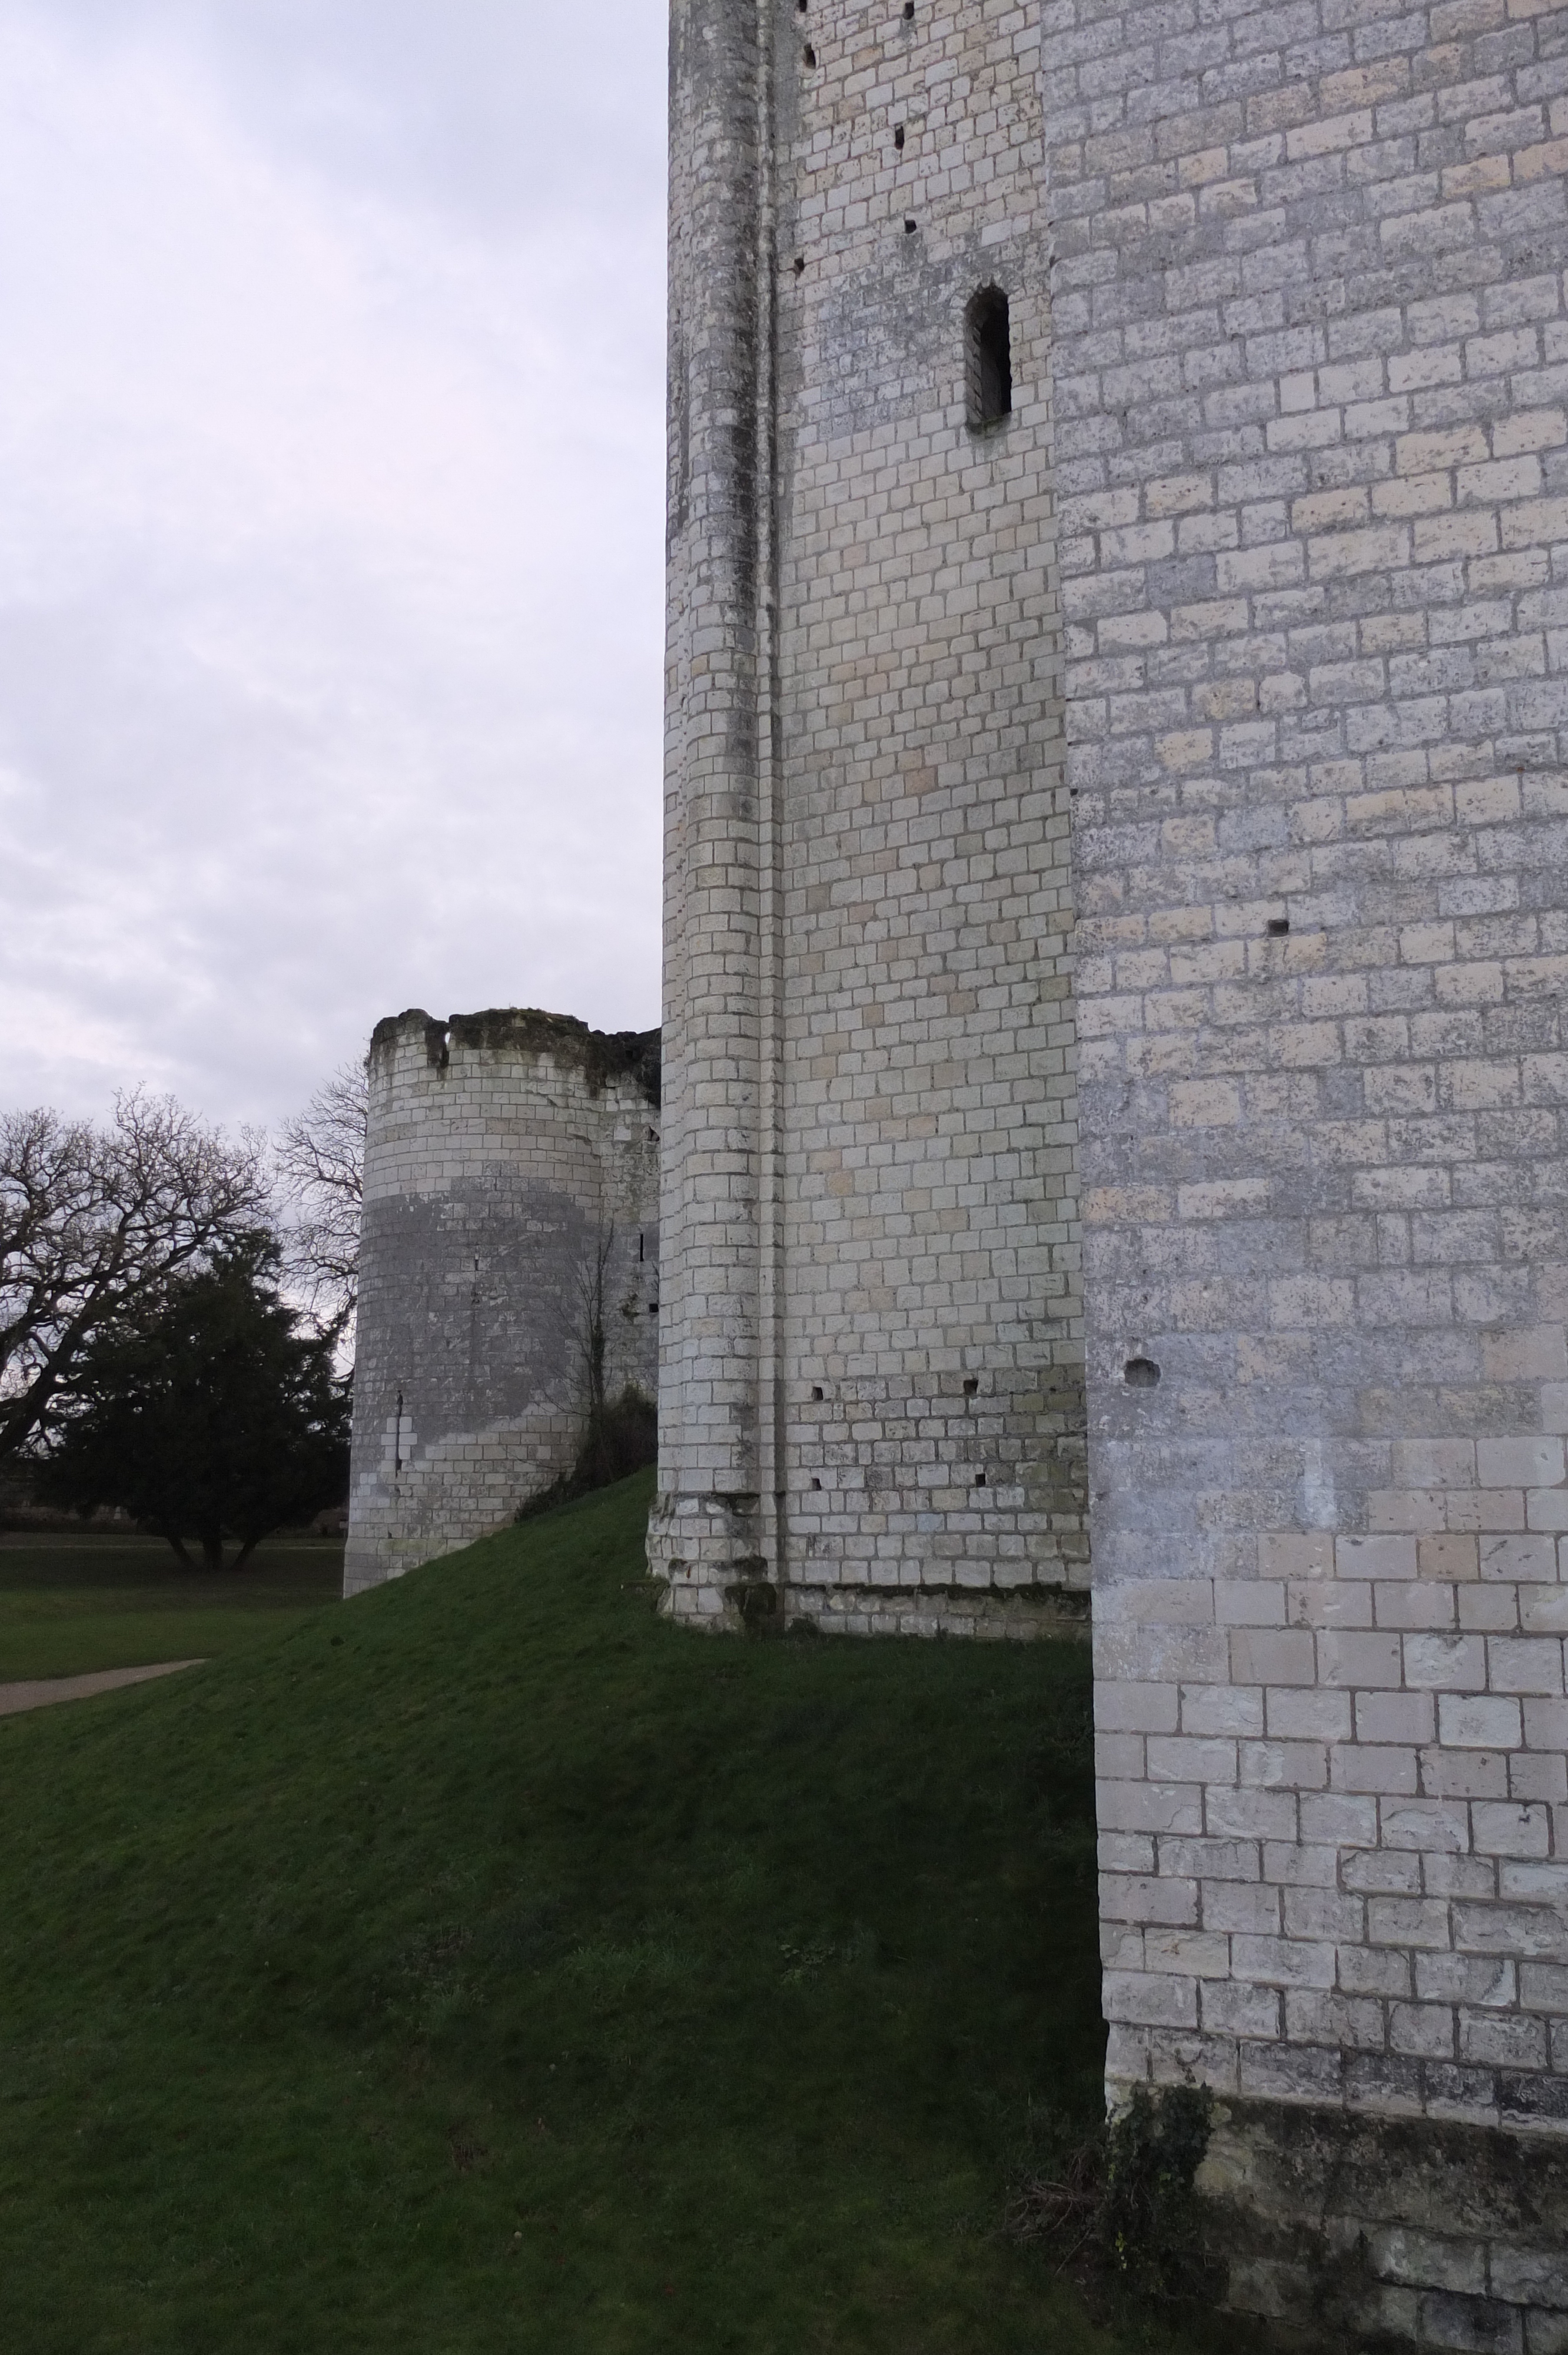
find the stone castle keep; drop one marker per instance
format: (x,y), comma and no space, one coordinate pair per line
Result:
(1116,937)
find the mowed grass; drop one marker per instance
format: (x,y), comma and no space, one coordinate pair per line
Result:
(486,1964)
(70,1604)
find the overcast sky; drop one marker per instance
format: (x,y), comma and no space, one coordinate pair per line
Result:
(330,439)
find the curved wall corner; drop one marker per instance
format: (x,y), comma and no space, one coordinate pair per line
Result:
(505,1153)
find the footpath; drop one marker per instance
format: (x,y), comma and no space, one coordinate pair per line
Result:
(41,1691)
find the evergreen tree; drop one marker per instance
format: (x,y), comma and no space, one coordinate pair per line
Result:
(213,1416)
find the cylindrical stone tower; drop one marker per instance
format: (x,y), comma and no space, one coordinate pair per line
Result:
(510,1200)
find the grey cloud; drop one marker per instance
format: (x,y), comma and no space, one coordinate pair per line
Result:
(504,111)
(330,581)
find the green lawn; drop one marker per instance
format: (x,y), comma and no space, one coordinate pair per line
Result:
(487,1965)
(71,1603)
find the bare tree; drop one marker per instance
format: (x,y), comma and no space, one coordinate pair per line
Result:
(587,1338)
(620,1433)
(94,1220)
(319,1165)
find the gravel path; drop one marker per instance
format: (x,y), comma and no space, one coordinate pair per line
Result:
(44,1690)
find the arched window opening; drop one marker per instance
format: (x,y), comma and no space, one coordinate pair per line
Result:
(988,358)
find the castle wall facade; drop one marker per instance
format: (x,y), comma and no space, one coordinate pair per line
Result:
(1311,380)
(1273,536)
(511,1176)
(871,1369)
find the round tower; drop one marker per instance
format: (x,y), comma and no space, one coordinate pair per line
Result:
(510,1211)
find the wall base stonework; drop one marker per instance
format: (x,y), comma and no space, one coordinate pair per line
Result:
(706,1550)
(722,1583)
(1345,2231)
(1019,1614)
(701,1549)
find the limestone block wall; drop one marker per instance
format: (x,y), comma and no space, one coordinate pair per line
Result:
(505,1152)
(871,1372)
(1311,381)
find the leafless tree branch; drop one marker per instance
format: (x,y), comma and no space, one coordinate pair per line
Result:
(93,1221)
(318,1165)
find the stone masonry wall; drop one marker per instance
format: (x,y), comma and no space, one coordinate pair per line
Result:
(1290,361)
(718,1372)
(1311,380)
(503,1152)
(872,1380)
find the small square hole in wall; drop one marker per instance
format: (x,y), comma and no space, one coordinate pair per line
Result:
(816,1484)
(1277,927)
(817,1392)
(980,1479)
(972,1385)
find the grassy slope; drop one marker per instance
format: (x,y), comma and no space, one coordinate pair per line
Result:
(68,1604)
(486,1964)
